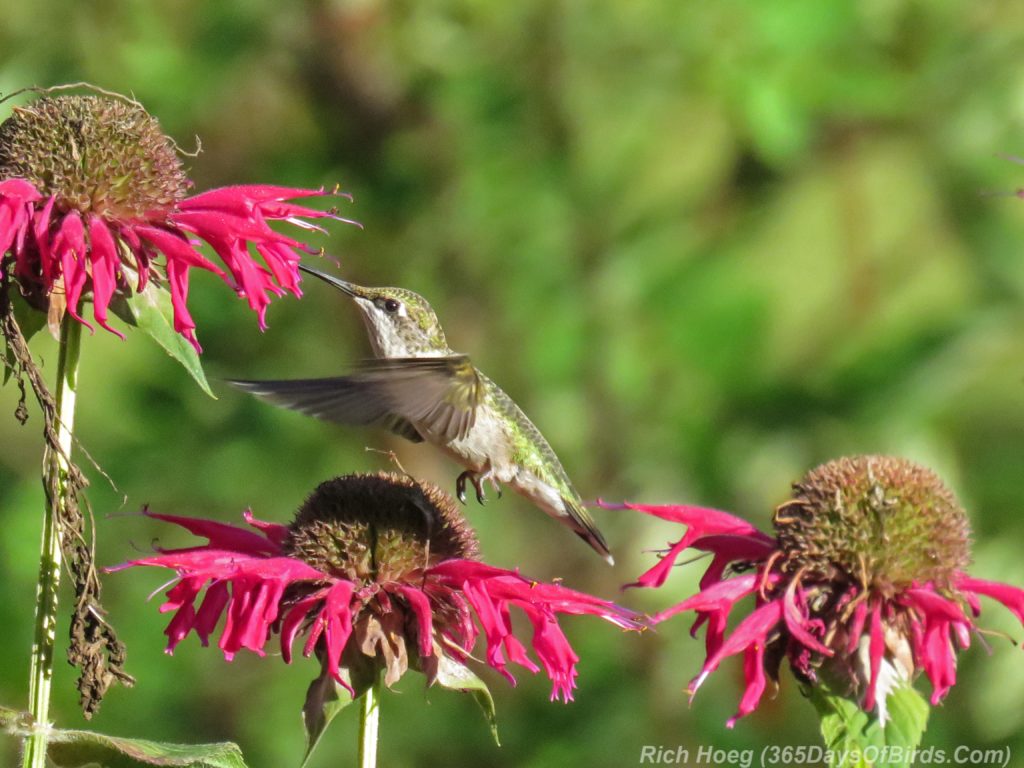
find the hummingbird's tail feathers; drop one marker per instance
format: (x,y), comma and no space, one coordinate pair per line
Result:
(583,525)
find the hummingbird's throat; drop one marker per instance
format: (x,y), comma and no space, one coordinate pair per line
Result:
(378,528)
(880,522)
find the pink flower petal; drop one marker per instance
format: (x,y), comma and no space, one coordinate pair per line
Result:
(177,278)
(753,673)
(209,613)
(728,549)
(222,535)
(755,628)
(20,190)
(489,616)
(41,234)
(242,197)
(293,622)
(796,619)
(276,533)
(105,268)
(876,649)
(555,654)
(260,591)
(338,617)
(718,598)
(420,605)
(16,206)
(1011,597)
(701,521)
(69,247)
(177,249)
(703,524)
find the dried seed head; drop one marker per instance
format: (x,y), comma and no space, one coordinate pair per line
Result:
(95,154)
(379,528)
(877,521)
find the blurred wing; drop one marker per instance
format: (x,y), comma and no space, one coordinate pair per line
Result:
(343,399)
(439,395)
(403,428)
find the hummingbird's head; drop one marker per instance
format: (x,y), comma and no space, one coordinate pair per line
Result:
(400,323)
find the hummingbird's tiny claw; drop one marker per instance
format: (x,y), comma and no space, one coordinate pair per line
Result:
(478,484)
(460,485)
(486,477)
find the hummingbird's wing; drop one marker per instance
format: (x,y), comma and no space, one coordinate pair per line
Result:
(439,395)
(340,399)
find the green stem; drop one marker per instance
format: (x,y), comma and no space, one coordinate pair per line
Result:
(369,723)
(55,473)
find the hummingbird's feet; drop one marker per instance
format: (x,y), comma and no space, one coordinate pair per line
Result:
(460,484)
(478,484)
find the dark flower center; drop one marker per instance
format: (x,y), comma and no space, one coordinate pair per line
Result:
(94,154)
(877,521)
(379,528)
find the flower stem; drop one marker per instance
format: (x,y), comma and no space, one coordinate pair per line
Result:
(369,722)
(55,473)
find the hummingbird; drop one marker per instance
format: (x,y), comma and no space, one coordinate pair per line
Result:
(417,387)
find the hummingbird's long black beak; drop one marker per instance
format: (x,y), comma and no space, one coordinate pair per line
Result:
(337,282)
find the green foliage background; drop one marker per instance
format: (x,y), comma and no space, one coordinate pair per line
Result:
(706,246)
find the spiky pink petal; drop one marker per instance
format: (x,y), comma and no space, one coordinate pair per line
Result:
(1010,596)
(105,268)
(701,523)
(756,682)
(876,650)
(48,244)
(795,614)
(420,605)
(337,621)
(69,245)
(752,630)
(223,535)
(858,623)
(259,574)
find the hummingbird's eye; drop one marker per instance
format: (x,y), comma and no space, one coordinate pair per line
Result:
(391,305)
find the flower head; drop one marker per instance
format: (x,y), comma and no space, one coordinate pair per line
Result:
(375,569)
(93,194)
(864,579)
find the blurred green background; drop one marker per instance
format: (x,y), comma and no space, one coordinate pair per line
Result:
(705,245)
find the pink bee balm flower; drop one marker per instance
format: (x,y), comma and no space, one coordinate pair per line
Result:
(374,570)
(93,203)
(864,580)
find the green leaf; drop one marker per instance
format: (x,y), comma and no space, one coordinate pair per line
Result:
(78,749)
(152,313)
(119,306)
(458,677)
(326,697)
(853,735)
(83,749)
(30,319)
